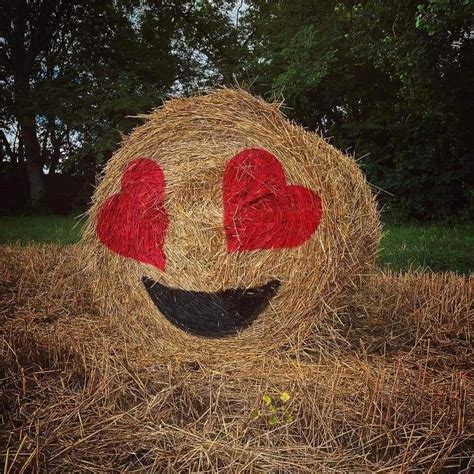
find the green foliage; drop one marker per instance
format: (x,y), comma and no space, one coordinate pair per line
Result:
(274,411)
(389,81)
(101,63)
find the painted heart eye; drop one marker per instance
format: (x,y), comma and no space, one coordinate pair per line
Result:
(262,211)
(133,223)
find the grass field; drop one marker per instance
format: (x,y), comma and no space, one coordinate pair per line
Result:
(439,247)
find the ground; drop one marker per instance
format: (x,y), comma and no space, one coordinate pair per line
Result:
(382,384)
(439,247)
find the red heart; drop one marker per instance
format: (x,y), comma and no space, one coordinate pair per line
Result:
(133,223)
(261,211)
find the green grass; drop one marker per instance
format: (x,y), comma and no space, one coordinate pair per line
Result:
(439,247)
(40,229)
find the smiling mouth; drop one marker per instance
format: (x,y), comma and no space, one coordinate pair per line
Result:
(217,314)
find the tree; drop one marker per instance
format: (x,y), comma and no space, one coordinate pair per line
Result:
(387,80)
(73,71)
(31,32)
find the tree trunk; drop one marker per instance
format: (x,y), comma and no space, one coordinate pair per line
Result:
(55,136)
(33,161)
(24,53)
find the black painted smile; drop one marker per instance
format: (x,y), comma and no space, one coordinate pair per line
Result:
(217,314)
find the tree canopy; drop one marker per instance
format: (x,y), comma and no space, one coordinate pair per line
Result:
(389,82)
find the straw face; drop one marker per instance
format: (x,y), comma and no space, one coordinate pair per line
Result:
(223,228)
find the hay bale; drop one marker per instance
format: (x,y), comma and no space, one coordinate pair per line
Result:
(221,229)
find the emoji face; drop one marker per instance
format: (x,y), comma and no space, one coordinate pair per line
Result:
(226,229)
(261,211)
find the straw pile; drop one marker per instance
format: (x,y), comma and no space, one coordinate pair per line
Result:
(394,394)
(168,199)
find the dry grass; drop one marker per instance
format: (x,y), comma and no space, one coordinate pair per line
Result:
(376,367)
(193,140)
(384,385)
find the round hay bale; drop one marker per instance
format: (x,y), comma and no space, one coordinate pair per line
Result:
(221,229)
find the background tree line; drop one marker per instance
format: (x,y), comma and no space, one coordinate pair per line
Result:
(389,82)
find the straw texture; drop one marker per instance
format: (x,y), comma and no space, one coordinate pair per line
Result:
(212,243)
(80,393)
